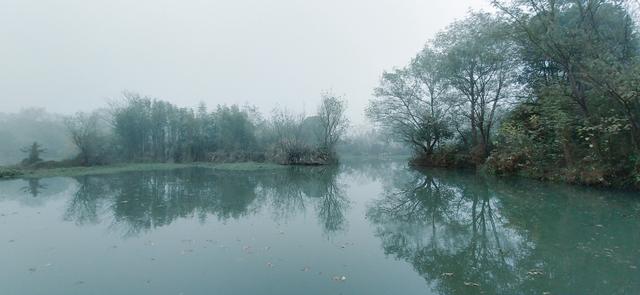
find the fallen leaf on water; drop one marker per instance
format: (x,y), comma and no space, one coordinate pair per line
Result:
(471,284)
(339,278)
(535,272)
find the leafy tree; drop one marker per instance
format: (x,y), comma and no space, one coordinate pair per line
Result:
(478,63)
(410,102)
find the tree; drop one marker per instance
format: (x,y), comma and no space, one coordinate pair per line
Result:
(581,66)
(89,139)
(410,103)
(478,63)
(33,154)
(333,121)
(234,129)
(132,126)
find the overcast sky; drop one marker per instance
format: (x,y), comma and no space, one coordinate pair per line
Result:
(73,55)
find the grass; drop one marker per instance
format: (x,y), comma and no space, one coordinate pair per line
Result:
(6,172)
(351,157)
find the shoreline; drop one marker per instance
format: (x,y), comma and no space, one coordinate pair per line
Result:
(21,173)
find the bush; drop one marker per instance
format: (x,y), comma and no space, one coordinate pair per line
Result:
(6,172)
(508,163)
(445,158)
(298,153)
(235,157)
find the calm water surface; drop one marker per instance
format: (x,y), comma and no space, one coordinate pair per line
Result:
(361,228)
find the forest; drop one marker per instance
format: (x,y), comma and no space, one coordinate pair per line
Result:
(541,88)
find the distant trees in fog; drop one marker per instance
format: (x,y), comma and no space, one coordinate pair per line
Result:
(140,128)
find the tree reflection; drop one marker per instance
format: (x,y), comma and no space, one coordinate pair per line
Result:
(293,192)
(34,187)
(467,235)
(450,232)
(141,201)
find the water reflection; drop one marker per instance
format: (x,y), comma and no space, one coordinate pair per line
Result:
(445,232)
(34,187)
(141,201)
(468,235)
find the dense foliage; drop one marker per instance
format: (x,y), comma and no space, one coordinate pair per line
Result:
(544,88)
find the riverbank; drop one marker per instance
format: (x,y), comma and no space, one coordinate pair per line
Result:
(13,172)
(499,165)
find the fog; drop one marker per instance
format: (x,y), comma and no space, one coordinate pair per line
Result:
(73,55)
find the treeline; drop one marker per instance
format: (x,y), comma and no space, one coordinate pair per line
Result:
(142,129)
(545,88)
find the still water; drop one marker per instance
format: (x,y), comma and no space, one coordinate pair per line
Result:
(360,228)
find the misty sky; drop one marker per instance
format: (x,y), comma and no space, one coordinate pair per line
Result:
(72,55)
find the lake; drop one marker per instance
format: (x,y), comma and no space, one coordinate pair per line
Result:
(359,228)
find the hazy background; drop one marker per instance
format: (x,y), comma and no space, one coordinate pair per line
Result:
(72,55)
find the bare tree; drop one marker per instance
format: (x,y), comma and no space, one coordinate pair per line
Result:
(334,122)
(86,136)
